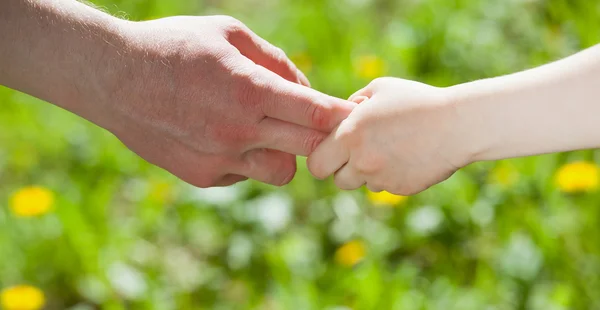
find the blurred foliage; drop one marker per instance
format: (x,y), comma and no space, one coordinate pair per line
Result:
(117,233)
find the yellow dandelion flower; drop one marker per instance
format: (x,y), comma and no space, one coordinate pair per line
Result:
(31,201)
(350,253)
(22,297)
(577,177)
(370,67)
(504,174)
(302,61)
(385,198)
(161,192)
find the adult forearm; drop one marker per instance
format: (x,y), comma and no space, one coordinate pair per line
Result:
(58,50)
(548,109)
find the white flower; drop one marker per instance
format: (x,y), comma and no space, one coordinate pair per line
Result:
(92,289)
(482,213)
(143,252)
(379,236)
(82,306)
(127,281)
(135,189)
(345,206)
(412,299)
(183,270)
(425,220)
(219,196)
(300,251)
(521,258)
(239,252)
(273,211)
(342,230)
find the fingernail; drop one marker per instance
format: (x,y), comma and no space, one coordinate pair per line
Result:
(359,99)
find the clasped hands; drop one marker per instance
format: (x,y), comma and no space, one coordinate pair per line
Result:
(210,101)
(215,104)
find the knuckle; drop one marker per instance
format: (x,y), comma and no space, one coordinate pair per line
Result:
(364,167)
(319,115)
(349,134)
(380,82)
(280,52)
(240,134)
(229,139)
(280,56)
(232,24)
(369,163)
(249,89)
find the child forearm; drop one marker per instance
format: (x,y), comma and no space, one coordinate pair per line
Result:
(552,108)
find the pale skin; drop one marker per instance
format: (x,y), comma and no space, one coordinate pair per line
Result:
(406,136)
(202,97)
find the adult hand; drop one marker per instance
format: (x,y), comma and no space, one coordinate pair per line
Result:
(202,97)
(205,99)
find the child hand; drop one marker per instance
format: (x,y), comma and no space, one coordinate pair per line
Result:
(403,137)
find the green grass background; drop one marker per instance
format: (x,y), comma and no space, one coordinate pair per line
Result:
(126,235)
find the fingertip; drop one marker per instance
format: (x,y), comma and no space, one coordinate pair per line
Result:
(374,188)
(346,178)
(313,167)
(288,179)
(326,159)
(289,169)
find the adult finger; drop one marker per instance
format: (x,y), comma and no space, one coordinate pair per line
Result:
(301,105)
(288,137)
(265,54)
(348,179)
(268,166)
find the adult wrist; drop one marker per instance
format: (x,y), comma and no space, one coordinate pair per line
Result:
(104,79)
(60,51)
